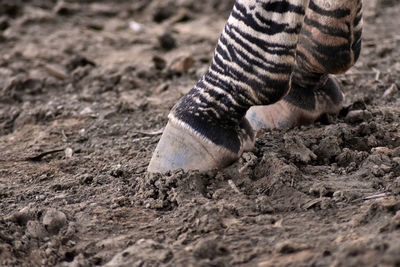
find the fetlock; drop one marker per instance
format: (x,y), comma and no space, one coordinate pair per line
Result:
(324,96)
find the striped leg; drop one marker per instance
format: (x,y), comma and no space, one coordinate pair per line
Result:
(252,64)
(329,43)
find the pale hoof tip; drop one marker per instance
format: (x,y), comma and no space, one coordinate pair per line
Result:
(178,148)
(327,99)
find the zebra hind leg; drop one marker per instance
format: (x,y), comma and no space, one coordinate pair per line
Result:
(329,43)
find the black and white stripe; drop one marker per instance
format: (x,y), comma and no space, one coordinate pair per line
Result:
(255,58)
(330,42)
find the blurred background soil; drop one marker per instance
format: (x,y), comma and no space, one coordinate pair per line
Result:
(85,89)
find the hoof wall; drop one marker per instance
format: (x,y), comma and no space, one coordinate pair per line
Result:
(179,148)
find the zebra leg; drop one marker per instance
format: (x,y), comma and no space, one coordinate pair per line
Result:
(252,64)
(329,43)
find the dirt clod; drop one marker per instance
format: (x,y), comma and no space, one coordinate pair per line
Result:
(182,64)
(144,251)
(54,220)
(167,41)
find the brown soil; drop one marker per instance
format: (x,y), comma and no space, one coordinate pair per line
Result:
(86,85)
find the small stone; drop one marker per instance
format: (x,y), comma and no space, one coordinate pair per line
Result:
(290,246)
(56,71)
(384,150)
(385,168)
(40,197)
(167,41)
(377,171)
(136,27)
(54,220)
(117,171)
(83,134)
(346,157)
(78,61)
(318,190)
(23,216)
(297,150)
(161,88)
(86,111)
(35,230)
(209,249)
(358,116)
(68,152)
(328,148)
(159,62)
(144,250)
(264,205)
(183,64)
(219,193)
(86,179)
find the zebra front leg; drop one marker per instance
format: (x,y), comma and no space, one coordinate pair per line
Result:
(252,64)
(329,43)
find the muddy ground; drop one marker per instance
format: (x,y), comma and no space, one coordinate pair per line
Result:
(86,86)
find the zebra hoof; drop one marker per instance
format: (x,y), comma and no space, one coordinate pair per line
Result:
(278,115)
(180,148)
(298,108)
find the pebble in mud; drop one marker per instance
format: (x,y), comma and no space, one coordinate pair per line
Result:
(35,230)
(167,41)
(159,62)
(78,61)
(54,220)
(144,250)
(182,64)
(328,148)
(23,216)
(209,249)
(346,157)
(358,115)
(290,246)
(297,150)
